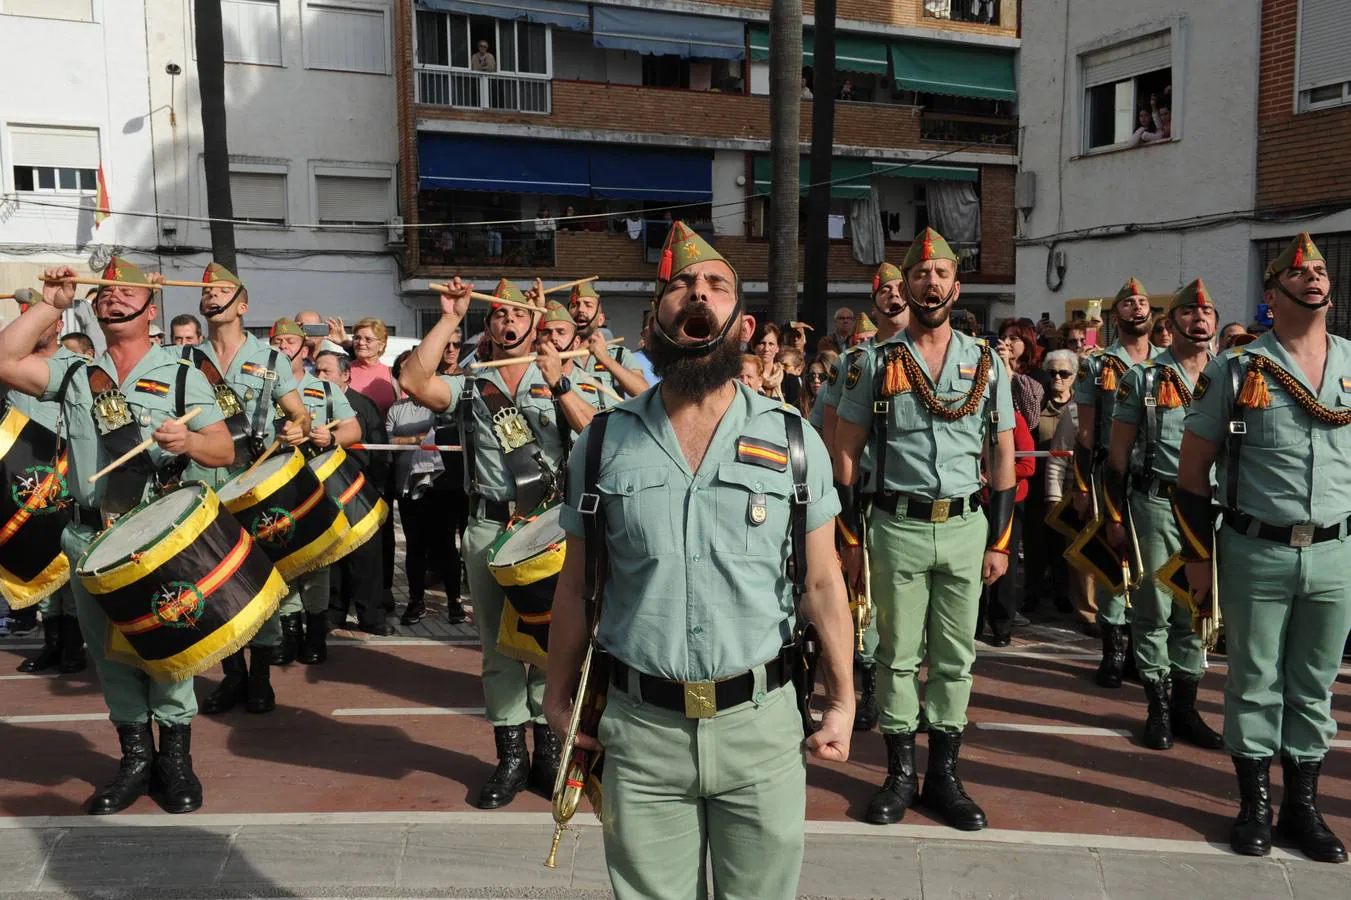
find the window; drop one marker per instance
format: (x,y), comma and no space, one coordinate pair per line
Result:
(1128,93)
(71,10)
(347,38)
(516,46)
(344,197)
(259,196)
(51,160)
(1324,75)
(252,31)
(982,12)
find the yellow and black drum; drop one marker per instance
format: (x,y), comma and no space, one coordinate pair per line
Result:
(525,560)
(182,581)
(34,510)
(360,500)
(288,512)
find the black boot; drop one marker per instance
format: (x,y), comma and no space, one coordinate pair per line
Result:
(897,793)
(865,715)
(1129,672)
(943,792)
(1300,820)
(50,654)
(133,773)
(1113,655)
(174,785)
(233,688)
(1250,834)
(547,757)
(261,697)
(285,653)
(1187,722)
(513,768)
(72,646)
(1158,734)
(314,647)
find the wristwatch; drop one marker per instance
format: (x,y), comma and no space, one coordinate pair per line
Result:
(561,388)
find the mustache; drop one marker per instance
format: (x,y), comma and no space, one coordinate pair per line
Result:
(696,313)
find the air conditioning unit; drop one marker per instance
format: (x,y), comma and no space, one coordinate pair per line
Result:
(394,230)
(1025,191)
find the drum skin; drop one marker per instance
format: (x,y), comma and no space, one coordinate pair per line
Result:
(529,585)
(34,510)
(291,517)
(361,502)
(190,596)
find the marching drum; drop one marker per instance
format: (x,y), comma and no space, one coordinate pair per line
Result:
(525,560)
(290,515)
(34,510)
(360,500)
(182,581)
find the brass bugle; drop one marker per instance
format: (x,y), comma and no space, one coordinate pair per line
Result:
(571,777)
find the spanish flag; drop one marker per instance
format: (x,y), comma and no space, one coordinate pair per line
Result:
(101,204)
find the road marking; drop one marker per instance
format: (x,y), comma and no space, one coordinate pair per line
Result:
(25,677)
(1037,654)
(409,711)
(20,645)
(39,720)
(1067,730)
(338,641)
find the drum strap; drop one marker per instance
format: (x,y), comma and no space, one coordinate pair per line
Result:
(797,461)
(593,521)
(264,403)
(231,407)
(118,433)
(1151,434)
(881,419)
(328,402)
(66,379)
(533,477)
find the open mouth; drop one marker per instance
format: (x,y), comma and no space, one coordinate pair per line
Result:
(1316,293)
(697,327)
(510,335)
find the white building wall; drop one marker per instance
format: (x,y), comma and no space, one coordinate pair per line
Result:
(1208,169)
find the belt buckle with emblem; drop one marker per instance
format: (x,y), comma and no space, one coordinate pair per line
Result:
(938,513)
(111,411)
(701,700)
(1302,535)
(512,430)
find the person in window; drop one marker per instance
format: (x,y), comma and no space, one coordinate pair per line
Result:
(568,223)
(1144,124)
(846,90)
(544,231)
(806,89)
(483,61)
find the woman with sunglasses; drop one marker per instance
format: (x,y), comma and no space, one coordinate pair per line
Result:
(1046,573)
(813,380)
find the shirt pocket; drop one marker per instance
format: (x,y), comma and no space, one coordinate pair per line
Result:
(1341,434)
(907,413)
(638,509)
(1282,423)
(745,494)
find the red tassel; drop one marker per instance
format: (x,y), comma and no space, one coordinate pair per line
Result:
(664,270)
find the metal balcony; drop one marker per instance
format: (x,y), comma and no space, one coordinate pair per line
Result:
(438,86)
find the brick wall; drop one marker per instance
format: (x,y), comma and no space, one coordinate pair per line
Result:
(1302,159)
(996,223)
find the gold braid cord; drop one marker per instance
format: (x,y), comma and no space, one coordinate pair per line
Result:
(1301,394)
(1169,378)
(927,396)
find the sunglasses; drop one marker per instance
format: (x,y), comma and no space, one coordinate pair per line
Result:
(1061,373)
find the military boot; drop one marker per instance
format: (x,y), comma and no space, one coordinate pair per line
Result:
(943,792)
(133,772)
(72,646)
(897,793)
(865,716)
(1187,722)
(314,649)
(1158,734)
(261,698)
(286,652)
(175,785)
(1113,655)
(513,768)
(233,688)
(1300,820)
(546,760)
(50,654)
(1250,834)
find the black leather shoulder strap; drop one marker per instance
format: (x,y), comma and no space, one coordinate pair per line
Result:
(328,401)
(797,465)
(881,417)
(1237,428)
(1150,399)
(593,520)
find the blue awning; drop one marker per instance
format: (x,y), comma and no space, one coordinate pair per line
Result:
(559,13)
(469,163)
(659,33)
(633,173)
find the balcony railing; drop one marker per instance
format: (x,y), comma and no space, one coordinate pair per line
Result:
(479,245)
(440,86)
(980,12)
(968,256)
(957,128)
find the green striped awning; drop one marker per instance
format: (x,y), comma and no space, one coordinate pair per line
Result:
(925,171)
(853,53)
(851,179)
(954,70)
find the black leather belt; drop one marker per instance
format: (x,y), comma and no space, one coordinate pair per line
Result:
(699,699)
(927,510)
(89,518)
(1304,535)
(1153,485)
(492,510)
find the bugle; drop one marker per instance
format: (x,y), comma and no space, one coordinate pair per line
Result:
(579,765)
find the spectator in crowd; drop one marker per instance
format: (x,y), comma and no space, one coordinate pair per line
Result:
(80,343)
(567,222)
(806,89)
(790,361)
(1045,571)
(157,335)
(482,60)
(846,90)
(184,329)
(795,336)
(964,320)
(1073,336)
(1161,333)
(448,433)
(424,494)
(828,344)
(1083,596)
(545,226)
(1230,333)
(844,328)
(1021,354)
(640,358)
(1046,334)
(319,343)
(369,376)
(999,601)
(765,344)
(815,379)
(752,372)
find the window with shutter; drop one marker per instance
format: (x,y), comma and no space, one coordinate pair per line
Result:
(1324,76)
(252,31)
(70,10)
(1127,91)
(347,38)
(259,197)
(352,200)
(54,159)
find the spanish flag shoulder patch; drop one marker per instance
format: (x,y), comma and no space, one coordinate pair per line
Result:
(257,371)
(1346,383)
(314,393)
(541,391)
(762,453)
(150,386)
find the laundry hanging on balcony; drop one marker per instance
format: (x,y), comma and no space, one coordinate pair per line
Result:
(666,33)
(558,13)
(458,162)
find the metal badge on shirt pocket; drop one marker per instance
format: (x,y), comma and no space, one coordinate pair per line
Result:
(757,509)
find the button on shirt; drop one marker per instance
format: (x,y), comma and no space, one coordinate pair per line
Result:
(1086,387)
(1130,408)
(150,394)
(697,589)
(1292,470)
(926,456)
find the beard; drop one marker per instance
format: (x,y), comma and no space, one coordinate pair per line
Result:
(696,376)
(931,316)
(1135,328)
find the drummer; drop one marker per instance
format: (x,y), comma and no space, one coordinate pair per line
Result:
(557,328)
(619,370)
(332,422)
(136,384)
(515,402)
(259,379)
(62,644)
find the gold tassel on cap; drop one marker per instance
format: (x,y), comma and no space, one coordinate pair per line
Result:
(1255,394)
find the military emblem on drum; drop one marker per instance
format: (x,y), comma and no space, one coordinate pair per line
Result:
(111,411)
(513,432)
(33,512)
(41,490)
(273,527)
(178,604)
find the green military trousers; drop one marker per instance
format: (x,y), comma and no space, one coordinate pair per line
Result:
(133,697)
(680,792)
(868,655)
(513,691)
(1162,629)
(309,593)
(1111,608)
(926,587)
(60,603)
(1286,614)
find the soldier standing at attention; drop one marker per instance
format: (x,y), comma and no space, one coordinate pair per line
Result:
(1275,414)
(619,370)
(1100,375)
(703,489)
(1146,436)
(935,400)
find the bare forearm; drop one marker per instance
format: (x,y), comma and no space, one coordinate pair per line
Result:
(826,606)
(1194,463)
(348,432)
(1002,475)
(1086,425)
(1123,436)
(577,411)
(421,365)
(567,629)
(212,446)
(628,381)
(20,368)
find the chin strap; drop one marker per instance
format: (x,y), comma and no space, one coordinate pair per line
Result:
(1195,519)
(1114,494)
(999,514)
(218,310)
(702,348)
(1327,298)
(118,320)
(850,520)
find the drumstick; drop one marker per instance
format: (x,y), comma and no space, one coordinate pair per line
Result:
(444,448)
(570,284)
(488,298)
(107,282)
(1040,454)
(271,448)
(197,284)
(531,357)
(141,447)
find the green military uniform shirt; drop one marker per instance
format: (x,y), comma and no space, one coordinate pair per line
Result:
(46,413)
(1293,467)
(830,396)
(589,365)
(1086,387)
(319,395)
(697,587)
(536,403)
(149,390)
(1129,407)
(928,457)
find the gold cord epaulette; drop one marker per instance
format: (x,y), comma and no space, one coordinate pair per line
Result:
(909,375)
(1173,391)
(1112,369)
(1255,394)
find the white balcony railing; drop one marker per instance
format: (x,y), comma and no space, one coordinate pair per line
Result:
(439,86)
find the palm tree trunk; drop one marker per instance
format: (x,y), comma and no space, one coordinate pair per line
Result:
(785,115)
(816,256)
(215,148)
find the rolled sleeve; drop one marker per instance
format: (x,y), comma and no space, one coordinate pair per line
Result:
(57,367)
(1208,415)
(197,392)
(856,402)
(284,383)
(1130,405)
(456,383)
(825,503)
